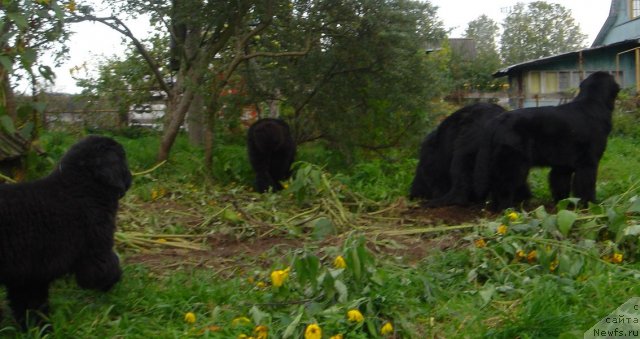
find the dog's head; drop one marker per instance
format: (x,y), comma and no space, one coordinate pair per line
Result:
(99,159)
(600,86)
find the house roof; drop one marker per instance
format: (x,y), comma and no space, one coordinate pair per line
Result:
(12,146)
(611,20)
(527,64)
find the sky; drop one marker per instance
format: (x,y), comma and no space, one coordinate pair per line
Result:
(91,42)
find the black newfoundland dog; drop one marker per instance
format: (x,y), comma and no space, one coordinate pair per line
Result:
(62,224)
(271,153)
(447,157)
(569,138)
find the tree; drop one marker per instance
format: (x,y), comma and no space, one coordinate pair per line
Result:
(210,40)
(477,73)
(370,82)
(485,32)
(28,30)
(538,30)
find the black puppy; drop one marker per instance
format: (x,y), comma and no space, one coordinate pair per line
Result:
(62,224)
(444,175)
(569,138)
(271,153)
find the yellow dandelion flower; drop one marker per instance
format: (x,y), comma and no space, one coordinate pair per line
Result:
(190,317)
(279,276)
(616,258)
(513,216)
(554,265)
(532,256)
(313,331)
(387,328)
(240,321)
(261,284)
(355,316)
(337,336)
(261,332)
(339,262)
(480,243)
(502,229)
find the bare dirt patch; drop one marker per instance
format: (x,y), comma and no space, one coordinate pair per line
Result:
(229,253)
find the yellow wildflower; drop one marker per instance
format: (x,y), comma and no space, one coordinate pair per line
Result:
(616,258)
(313,331)
(532,256)
(355,316)
(513,216)
(279,276)
(339,262)
(261,332)
(240,321)
(502,229)
(480,243)
(520,254)
(387,328)
(554,265)
(190,317)
(261,284)
(337,336)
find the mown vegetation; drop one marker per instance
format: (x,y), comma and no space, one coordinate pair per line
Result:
(209,258)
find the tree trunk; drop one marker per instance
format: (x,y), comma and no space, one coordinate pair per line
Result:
(177,110)
(196,122)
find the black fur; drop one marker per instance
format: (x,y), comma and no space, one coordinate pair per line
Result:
(447,157)
(62,224)
(271,153)
(569,138)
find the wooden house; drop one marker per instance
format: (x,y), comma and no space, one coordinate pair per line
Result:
(555,79)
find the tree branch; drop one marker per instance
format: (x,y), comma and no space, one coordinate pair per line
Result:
(123,29)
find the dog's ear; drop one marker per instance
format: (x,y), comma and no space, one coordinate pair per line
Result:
(111,168)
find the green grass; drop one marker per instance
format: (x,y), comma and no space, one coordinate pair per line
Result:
(356,212)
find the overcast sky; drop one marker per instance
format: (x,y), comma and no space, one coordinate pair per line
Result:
(93,41)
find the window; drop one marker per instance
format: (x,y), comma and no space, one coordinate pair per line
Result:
(558,82)
(635,8)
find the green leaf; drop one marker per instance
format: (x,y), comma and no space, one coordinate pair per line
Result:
(635,206)
(565,221)
(28,56)
(19,19)
(291,328)
(487,293)
(7,124)
(343,292)
(6,63)
(258,315)
(322,228)
(632,230)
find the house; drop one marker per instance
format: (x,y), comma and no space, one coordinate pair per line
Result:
(555,79)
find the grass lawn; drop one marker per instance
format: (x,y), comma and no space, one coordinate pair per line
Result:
(346,251)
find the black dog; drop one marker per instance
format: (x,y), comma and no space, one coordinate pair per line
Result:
(62,224)
(271,153)
(448,154)
(569,138)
